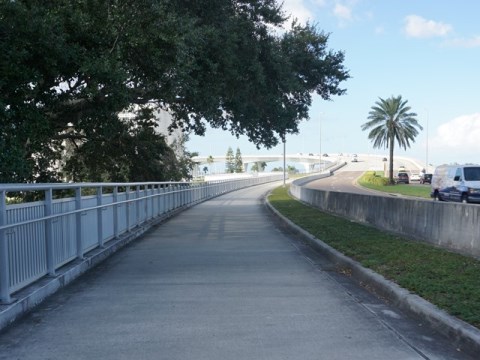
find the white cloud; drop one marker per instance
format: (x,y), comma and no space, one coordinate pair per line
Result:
(458,137)
(342,12)
(297,9)
(464,43)
(416,26)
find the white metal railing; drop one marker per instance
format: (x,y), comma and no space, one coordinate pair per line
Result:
(37,238)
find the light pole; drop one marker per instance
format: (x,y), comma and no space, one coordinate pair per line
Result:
(426,148)
(284,162)
(320,155)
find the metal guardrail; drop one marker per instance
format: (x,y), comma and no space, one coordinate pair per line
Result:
(37,238)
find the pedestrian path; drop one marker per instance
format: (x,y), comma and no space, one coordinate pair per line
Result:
(219,281)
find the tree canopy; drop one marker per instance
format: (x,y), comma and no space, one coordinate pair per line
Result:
(68,67)
(389,120)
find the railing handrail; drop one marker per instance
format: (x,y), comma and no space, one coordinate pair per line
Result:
(13,187)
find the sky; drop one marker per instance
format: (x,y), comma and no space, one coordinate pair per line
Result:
(426,51)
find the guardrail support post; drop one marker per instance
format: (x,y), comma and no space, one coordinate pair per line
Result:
(148,200)
(127,206)
(162,201)
(4,260)
(167,198)
(78,222)
(50,249)
(137,205)
(100,217)
(115,212)
(155,192)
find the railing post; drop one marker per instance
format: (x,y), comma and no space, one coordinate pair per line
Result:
(115,212)
(100,217)
(151,194)
(160,200)
(137,205)
(163,200)
(178,196)
(144,202)
(50,249)
(127,207)
(78,222)
(4,259)
(168,198)
(155,196)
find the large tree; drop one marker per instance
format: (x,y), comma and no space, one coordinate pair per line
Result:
(68,67)
(391,120)
(229,161)
(238,161)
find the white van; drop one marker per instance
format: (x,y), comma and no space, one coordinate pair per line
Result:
(456,183)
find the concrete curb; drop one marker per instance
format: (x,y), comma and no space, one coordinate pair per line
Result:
(463,335)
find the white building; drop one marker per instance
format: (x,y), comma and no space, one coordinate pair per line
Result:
(163,119)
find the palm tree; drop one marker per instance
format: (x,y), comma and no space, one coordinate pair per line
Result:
(210,160)
(391,120)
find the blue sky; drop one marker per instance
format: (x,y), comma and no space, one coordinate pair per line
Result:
(426,51)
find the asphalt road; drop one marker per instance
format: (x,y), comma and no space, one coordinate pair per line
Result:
(344,179)
(222,280)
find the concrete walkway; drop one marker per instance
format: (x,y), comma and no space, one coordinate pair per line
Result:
(223,281)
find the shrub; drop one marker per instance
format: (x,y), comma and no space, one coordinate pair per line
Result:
(371,177)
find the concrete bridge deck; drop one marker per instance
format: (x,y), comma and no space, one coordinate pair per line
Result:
(222,280)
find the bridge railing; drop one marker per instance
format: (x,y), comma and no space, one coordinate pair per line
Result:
(39,237)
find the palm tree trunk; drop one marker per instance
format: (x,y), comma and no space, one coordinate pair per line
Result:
(390,170)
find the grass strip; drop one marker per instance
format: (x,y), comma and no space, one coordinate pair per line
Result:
(422,191)
(448,280)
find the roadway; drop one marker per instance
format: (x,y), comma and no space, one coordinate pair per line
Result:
(222,280)
(344,179)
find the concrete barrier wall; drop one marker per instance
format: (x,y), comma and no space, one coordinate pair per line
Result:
(453,226)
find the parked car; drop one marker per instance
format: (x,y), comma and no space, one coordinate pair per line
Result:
(354,159)
(456,183)
(415,177)
(402,178)
(426,179)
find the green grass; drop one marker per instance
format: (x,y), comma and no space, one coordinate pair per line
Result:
(448,280)
(422,191)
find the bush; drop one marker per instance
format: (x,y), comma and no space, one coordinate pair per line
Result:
(371,177)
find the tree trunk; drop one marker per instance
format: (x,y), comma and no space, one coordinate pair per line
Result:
(390,171)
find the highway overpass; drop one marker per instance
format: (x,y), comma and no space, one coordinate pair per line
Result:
(313,162)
